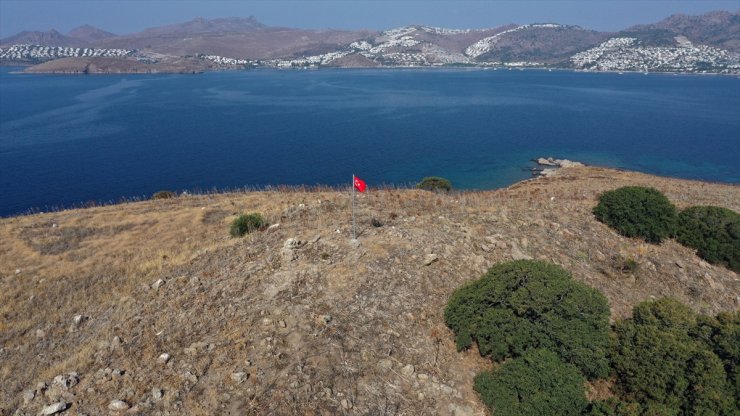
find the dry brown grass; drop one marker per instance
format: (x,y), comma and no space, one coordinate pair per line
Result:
(232,295)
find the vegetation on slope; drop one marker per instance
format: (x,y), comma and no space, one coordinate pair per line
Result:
(636,211)
(526,304)
(714,232)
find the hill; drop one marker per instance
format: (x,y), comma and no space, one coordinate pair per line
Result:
(706,43)
(297,318)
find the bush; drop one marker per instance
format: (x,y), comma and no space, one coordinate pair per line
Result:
(526,304)
(664,365)
(635,211)
(714,232)
(535,384)
(246,223)
(164,195)
(435,184)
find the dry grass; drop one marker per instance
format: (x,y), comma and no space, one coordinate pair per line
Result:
(243,305)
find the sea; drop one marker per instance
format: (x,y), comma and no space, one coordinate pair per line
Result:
(73,140)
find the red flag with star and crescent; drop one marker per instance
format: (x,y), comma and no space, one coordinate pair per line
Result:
(360,185)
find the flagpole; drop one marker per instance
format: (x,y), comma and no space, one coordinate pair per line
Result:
(354,237)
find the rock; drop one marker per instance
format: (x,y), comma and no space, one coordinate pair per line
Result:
(422,377)
(430,258)
(325,319)
(190,377)
(28,396)
(282,324)
(273,227)
(346,405)
(517,254)
(65,381)
(118,405)
(679,264)
(385,364)
(17,271)
(117,342)
(54,408)
(525,242)
(159,283)
(408,370)
(546,162)
(239,377)
(40,333)
(459,410)
(292,244)
(157,394)
(163,358)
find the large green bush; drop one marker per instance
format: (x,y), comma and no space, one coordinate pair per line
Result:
(636,211)
(246,223)
(664,359)
(526,304)
(435,184)
(714,232)
(536,384)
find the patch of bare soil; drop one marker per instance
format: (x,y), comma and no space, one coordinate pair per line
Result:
(153,304)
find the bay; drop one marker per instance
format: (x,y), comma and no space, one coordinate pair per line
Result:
(66,140)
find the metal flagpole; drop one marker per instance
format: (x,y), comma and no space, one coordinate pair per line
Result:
(354,237)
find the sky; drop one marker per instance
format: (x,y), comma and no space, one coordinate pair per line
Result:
(128,16)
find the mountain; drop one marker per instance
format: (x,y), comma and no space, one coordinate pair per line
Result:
(679,43)
(720,29)
(49,38)
(89,34)
(232,37)
(546,43)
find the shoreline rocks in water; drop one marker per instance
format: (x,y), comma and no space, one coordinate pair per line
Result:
(552,165)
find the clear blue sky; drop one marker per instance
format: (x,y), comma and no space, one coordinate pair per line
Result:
(127,16)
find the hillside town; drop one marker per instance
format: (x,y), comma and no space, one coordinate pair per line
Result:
(37,53)
(627,54)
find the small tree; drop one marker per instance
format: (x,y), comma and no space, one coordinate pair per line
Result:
(164,195)
(435,184)
(635,211)
(526,304)
(247,223)
(662,364)
(714,232)
(535,384)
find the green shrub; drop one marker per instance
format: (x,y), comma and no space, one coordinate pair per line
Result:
(164,195)
(722,335)
(714,232)
(662,364)
(613,407)
(526,304)
(636,211)
(537,383)
(435,184)
(246,223)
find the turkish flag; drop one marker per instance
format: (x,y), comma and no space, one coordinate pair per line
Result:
(360,185)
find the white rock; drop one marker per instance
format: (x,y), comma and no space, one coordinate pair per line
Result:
(28,396)
(163,358)
(54,408)
(156,285)
(65,381)
(385,363)
(407,370)
(346,404)
(118,405)
(239,377)
(430,258)
(157,394)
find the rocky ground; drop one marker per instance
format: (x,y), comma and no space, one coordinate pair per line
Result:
(151,308)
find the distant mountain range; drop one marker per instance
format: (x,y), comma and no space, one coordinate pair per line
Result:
(707,43)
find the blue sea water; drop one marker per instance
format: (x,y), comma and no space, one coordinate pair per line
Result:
(65,140)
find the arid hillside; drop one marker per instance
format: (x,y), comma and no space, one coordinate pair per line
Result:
(152,308)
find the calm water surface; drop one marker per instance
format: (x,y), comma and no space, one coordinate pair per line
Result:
(70,139)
